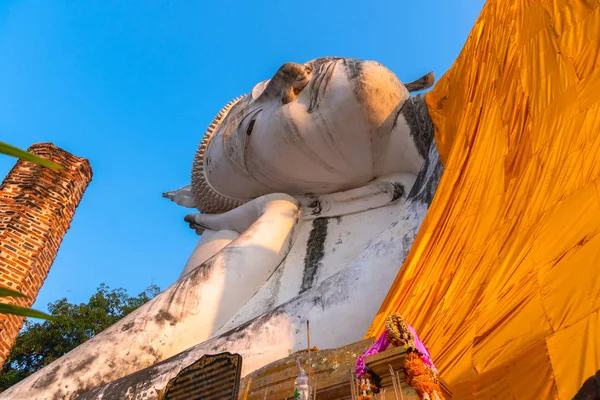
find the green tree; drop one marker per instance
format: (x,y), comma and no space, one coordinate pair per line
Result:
(40,343)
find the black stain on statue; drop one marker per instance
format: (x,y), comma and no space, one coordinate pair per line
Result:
(127,326)
(417,117)
(50,377)
(398,191)
(428,179)
(315,251)
(316,207)
(162,317)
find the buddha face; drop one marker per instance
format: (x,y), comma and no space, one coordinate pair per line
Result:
(328,125)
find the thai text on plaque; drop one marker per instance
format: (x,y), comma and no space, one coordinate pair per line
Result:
(211,377)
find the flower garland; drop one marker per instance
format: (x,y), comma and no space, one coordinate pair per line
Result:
(398,332)
(365,388)
(422,350)
(421,377)
(420,372)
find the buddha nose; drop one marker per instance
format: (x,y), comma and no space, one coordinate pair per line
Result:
(288,82)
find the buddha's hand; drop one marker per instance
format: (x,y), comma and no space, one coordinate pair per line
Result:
(194,224)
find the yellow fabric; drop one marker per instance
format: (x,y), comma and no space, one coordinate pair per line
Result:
(503,280)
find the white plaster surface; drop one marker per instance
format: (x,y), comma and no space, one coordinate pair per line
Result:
(186,313)
(340,309)
(209,244)
(368,246)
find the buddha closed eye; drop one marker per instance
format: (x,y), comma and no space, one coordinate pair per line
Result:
(250,126)
(324,126)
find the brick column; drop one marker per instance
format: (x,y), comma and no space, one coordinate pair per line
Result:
(37,205)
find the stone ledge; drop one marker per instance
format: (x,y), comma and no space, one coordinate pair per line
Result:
(330,370)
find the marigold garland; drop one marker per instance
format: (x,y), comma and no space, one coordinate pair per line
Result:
(421,377)
(398,332)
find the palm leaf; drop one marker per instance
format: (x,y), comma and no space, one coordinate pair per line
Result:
(5,292)
(24,312)
(25,155)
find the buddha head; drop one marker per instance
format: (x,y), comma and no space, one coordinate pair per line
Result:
(328,125)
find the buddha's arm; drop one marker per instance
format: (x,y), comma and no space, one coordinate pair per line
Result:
(241,218)
(378,193)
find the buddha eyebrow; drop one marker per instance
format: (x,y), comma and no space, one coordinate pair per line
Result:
(317,88)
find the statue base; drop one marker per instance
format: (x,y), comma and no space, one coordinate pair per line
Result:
(331,371)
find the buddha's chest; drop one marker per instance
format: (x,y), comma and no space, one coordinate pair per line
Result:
(369,244)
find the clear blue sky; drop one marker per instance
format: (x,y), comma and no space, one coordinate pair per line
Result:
(132,85)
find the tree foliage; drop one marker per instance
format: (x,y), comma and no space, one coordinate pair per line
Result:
(40,343)
(18,310)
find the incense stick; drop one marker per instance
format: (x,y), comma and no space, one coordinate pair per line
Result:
(309,365)
(396,383)
(382,394)
(247,388)
(400,386)
(353,386)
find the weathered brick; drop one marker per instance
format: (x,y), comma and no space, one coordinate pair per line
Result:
(37,205)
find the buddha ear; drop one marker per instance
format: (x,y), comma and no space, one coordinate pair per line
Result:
(425,82)
(183,197)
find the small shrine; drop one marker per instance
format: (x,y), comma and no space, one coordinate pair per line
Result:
(396,366)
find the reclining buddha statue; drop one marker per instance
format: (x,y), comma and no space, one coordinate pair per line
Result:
(311,189)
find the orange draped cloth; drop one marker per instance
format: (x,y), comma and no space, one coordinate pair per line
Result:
(503,280)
